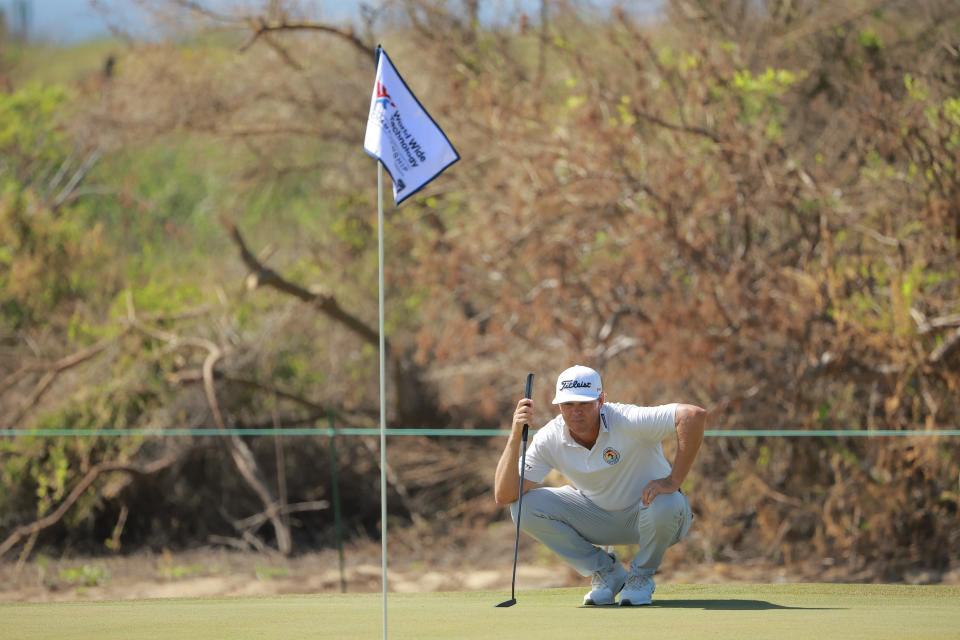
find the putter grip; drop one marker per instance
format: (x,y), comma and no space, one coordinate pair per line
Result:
(527,394)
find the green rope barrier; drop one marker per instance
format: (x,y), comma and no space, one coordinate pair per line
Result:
(834,433)
(372,431)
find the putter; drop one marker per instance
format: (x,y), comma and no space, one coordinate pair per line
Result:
(516,543)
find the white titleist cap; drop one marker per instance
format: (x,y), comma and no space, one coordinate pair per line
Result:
(578,384)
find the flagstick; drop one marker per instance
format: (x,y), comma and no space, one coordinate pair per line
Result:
(383,400)
(429,153)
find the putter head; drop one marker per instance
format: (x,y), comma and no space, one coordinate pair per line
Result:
(508,603)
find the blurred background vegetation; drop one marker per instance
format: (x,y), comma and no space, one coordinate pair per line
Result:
(750,206)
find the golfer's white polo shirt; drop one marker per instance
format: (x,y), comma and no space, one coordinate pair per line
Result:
(627,455)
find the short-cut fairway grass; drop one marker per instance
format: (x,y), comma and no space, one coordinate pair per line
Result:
(819,611)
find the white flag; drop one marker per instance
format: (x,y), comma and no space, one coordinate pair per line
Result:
(402,135)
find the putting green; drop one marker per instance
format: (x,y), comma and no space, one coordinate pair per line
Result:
(820,611)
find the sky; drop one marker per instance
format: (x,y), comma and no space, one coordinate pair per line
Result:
(65,22)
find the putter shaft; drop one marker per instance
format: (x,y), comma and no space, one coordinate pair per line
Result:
(516,543)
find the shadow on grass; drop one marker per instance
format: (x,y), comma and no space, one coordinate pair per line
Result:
(713,605)
(727,605)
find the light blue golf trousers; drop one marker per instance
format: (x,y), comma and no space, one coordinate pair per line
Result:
(572,526)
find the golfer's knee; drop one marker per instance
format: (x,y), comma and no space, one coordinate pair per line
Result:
(535,502)
(524,516)
(666,511)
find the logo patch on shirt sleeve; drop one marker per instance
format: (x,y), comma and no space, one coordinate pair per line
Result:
(611,456)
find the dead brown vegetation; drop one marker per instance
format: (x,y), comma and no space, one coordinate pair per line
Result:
(749,206)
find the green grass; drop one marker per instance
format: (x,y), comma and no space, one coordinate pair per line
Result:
(819,611)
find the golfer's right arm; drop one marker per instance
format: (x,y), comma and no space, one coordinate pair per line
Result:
(506,486)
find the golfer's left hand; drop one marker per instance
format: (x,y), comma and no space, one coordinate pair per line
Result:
(655,488)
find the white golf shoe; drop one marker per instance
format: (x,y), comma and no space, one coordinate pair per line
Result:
(639,588)
(606,584)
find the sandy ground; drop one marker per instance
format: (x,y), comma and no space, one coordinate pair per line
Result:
(415,564)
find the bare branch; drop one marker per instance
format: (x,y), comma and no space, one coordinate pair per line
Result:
(78,490)
(77,177)
(700,131)
(242,455)
(195,375)
(51,371)
(263,275)
(285,55)
(254,522)
(262,29)
(944,350)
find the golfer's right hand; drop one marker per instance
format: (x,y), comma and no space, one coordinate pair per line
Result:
(523,415)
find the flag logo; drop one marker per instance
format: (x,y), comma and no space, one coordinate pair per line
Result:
(383,98)
(402,135)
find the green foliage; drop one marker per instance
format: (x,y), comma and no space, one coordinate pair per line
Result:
(761,95)
(295,369)
(48,254)
(44,472)
(951,111)
(916,88)
(31,141)
(763,457)
(171,571)
(40,471)
(84,576)
(266,574)
(163,209)
(869,40)
(46,258)
(161,295)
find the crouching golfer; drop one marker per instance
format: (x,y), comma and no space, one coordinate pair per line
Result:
(624,490)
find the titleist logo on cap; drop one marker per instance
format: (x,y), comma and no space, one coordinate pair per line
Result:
(578,384)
